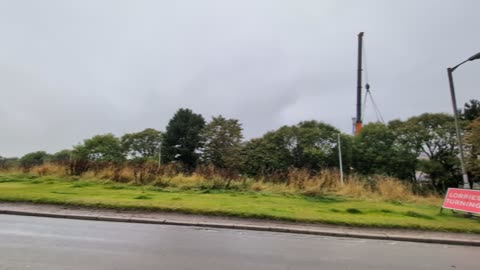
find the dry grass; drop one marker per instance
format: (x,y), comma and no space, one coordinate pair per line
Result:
(299,182)
(393,189)
(354,187)
(50,169)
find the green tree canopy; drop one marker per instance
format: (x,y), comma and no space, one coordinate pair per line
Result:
(471,110)
(435,133)
(472,138)
(101,148)
(381,149)
(309,144)
(61,156)
(6,163)
(144,144)
(34,159)
(222,141)
(183,140)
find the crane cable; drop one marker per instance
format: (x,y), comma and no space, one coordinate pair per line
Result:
(377,110)
(378,114)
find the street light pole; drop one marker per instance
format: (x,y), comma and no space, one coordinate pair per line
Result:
(160,155)
(339,145)
(466,183)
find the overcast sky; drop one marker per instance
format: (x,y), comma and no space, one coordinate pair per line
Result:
(73,69)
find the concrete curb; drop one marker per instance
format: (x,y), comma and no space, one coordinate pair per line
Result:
(375,236)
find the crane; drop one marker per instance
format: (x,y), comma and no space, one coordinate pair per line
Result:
(358,120)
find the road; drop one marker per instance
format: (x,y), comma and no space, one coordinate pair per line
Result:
(48,243)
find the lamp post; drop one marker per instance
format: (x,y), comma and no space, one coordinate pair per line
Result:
(466,183)
(339,145)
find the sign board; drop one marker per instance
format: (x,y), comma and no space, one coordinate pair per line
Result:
(467,200)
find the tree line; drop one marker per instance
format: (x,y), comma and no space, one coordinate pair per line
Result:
(425,143)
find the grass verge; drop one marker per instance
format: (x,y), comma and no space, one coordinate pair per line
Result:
(332,209)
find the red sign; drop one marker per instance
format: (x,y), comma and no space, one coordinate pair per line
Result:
(467,200)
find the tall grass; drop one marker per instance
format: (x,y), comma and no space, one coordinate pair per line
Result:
(49,169)
(298,181)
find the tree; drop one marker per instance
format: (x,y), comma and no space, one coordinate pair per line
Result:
(309,144)
(3,162)
(62,156)
(7,163)
(472,138)
(183,139)
(261,156)
(373,149)
(100,148)
(436,135)
(144,144)
(381,149)
(34,159)
(222,141)
(314,145)
(471,110)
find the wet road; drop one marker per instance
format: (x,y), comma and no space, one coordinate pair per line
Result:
(47,243)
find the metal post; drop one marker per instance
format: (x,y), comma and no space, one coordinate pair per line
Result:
(466,183)
(160,155)
(340,158)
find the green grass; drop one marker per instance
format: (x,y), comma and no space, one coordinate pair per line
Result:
(325,209)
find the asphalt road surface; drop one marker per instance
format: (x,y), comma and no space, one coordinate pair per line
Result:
(48,243)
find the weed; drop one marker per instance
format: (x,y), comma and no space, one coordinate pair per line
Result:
(155,188)
(81,184)
(115,187)
(353,211)
(63,192)
(417,215)
(7,180)
(393,189)
(396,202)
(354,187)
(143,197)
(49,169)
(36,181)
(325,199)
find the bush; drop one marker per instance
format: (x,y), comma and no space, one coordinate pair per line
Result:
(34,159)
(8,163)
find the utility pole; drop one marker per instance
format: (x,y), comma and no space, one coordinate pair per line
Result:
(358,123)
(340,158)
(160,155)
